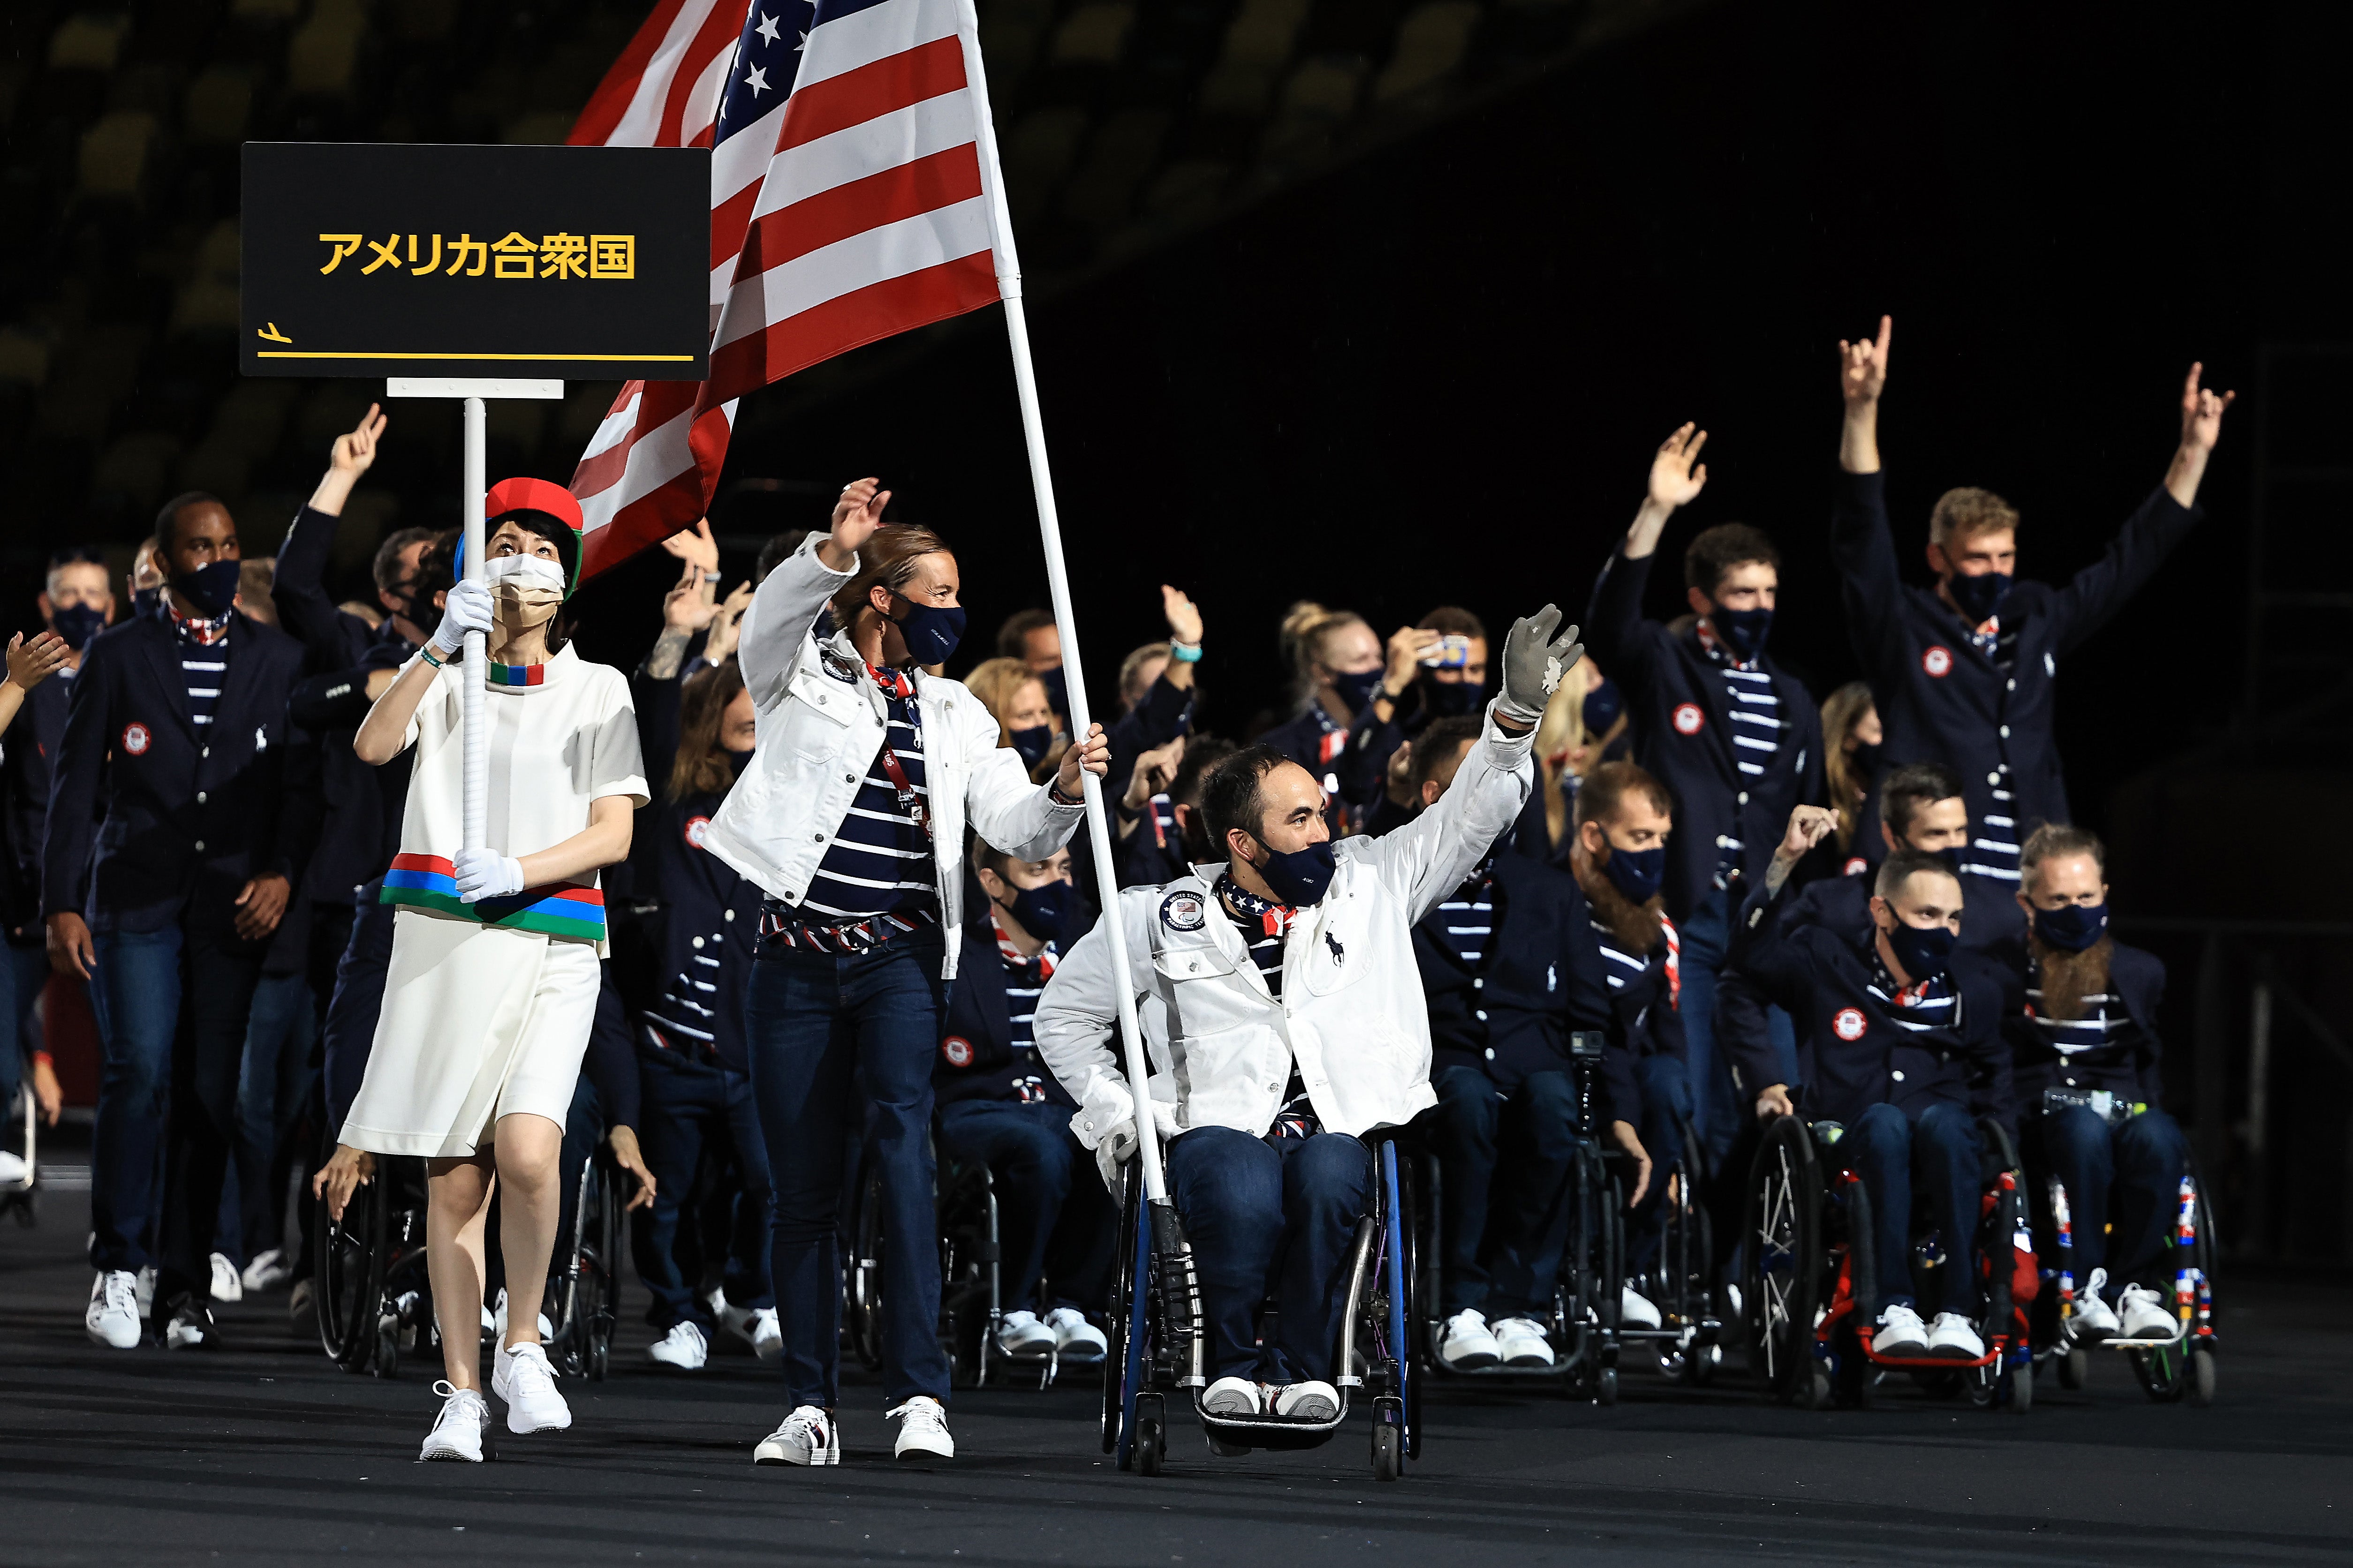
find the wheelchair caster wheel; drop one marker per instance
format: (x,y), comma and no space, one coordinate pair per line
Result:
(1605,1386)
(2074,1366)
(2021,1387)
(1388,1451)
(1149,1440)
(1813,1390)
(387,1364)
(2202,1378)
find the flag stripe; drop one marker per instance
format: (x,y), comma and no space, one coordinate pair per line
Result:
(861,316)
(893,195)
(856,33)
(857,95)
(638,71)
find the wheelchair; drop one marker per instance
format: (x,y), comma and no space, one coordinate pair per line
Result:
(22,1198)
(1811,1288)
(1157,1338)
(1683,1281)
(374,1294)
(583,1299)
(2168,1370)
(972,1303)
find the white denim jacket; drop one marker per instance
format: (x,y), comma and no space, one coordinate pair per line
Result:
(1352,1013)
(818,736)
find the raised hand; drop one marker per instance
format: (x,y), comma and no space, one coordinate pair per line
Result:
(1406,647)
(856,516)
(1155,771)
(354,451)
(1535,660)
(31,663)
(690,605)
(1863,367)
(2202,412)
(695,547)
(1094,754)
(1184,616)
(1677,476)
(727,625)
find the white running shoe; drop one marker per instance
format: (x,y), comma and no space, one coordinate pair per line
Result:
(1021,1334)
(767,1335)
(228,1280)
(1955,1338)
(2147,1316)
(1076,1340)
(1313,1400)
(190,1328)
(1635,1310)
(1523,1342)
(923,1430)
(113,1319)
(807,1436)
(1231,1396)
(497,1322)
(459,1431)
(147,1290)
(1466,1343)
(2093,1319)
(1901,1333)
(271,1271)
(683,1348)
(519,1375)
(13,1169)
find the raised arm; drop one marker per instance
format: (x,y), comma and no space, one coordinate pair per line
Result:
(2201,427)
(386,732)
(1861,542)
(1613,621)
(298,587)
(1677,476)
(1766,964)
(786,604)
(1862,376)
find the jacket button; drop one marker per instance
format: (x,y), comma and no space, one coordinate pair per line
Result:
(1898,1075)
(2005,732)
(1744,797)
(850,778)
(205,752)
(1491,1053)
(717,937)
(698,942)
(1482,1014)
(2014,686)
(1994,778)
(200,846)
(200,798)
(1478,985)
(729,914)
(820,838)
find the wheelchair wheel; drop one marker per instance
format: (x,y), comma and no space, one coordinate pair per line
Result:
(2022,1387)
(1783,1238)
(2185,1369)
(1389,1452)
(1151,1434)
(351,1272)
(865,1281)
(605,1315)
(1117,1374)
(2074,1367)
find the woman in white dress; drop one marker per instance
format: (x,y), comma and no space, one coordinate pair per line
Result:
(493,981)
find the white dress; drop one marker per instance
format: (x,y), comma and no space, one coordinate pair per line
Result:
(487,1007)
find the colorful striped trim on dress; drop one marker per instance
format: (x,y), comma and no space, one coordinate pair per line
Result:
(516,676)
(560,909)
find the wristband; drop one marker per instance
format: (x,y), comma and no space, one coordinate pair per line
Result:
(1054,792)
(426,653)
(1185,652)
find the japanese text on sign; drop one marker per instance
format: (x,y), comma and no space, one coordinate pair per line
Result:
(559,256)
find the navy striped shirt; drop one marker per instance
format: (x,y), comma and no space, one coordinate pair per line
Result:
(1755,714)
(1993,842)
(1296,1118)
(879,861)
(204,664)
(2103,1015)
(1931,1004)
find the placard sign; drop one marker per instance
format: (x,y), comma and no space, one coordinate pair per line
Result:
(580,263)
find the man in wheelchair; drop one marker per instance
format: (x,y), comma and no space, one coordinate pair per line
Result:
(1294,1024)
(2079,1014)
(1899,1042)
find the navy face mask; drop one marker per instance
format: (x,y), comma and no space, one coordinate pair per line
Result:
(2070,928)
(1357,690)
(1032,743)
(1866,761)
(1602,706)
(1951,856)
(1637,873)
(1299,877)
(146,602)
(1746,630)
(1450,700)
(1980,597)
(930,632)
(211,588)
(77,623)
(1921,950)
(1045,911)
(1057,691)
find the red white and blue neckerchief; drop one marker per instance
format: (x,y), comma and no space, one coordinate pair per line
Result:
(1334,740)
(894,683)
(1043,959)
(1272,918)
(196,628)
(1720,650)
(1987,637)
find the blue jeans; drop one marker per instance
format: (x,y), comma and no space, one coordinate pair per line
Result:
(271,1088)
(23,971)
(1501,1253)
(837,1039)
(2136,1166)
(1885,1147)
(1717,1112)
(1271,1218)
(1050,1206)
(1666,1096)
(684,1103)
(134,995)
(352,1012)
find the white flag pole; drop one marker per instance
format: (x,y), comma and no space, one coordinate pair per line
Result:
(475,814)
(1041,480)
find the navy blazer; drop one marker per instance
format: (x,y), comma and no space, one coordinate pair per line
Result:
(2127,1067)
(1511,1017)
(188,819)
(1674,698)
(1852,1053)
(28,755)
(1941,701)
(976,1059)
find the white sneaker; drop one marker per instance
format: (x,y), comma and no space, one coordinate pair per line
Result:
(1635,1310)
(2147,1316)
(683,1348)
(1901,1333)
(519,1375)
(497,1322)
(191,1328)
(1021,1334)
(1523,1342)
(923,1430)
(767,1335)
(806,1437)
(1465,1343)
(228,1280)
(1956,1337)
(1231,1396)
(271,1271)
(1313,1400)
(13,1172)
(1076,1340)
(113,1319)
(2093,1320)
(147,1290)
(1732,1298)
(457,1432)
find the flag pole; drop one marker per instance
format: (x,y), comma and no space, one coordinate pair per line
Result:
(1058,582)
(475,800)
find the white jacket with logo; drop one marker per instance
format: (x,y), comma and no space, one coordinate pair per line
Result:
(1351,1013)
(819,735)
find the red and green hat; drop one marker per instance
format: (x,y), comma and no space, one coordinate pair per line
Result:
(545,498)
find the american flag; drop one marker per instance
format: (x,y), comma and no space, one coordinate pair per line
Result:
(847,204)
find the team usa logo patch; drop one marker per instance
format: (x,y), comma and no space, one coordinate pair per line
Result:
(957,1050)
(698,832)
(1688,719)
(1938,661)
(1848,1024)
(136,739)
(1183,910)
(1856,867)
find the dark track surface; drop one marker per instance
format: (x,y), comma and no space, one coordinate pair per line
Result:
(264,1453)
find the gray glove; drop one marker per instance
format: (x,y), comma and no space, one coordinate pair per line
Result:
(1534,662)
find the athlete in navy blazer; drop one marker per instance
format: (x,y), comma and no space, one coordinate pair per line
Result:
(1976,689)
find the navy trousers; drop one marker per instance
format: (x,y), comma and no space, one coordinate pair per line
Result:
(1505,1164)
(686,1105)
(1054,1220)
(2131,1171)
(1941,1145)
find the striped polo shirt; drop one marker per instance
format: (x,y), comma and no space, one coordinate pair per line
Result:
(1993,840)
(204,661)
(880,859)
(1931,1004)
(1755,713)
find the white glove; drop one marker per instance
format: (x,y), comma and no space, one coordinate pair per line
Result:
(487,874)
(1534,662)
(1113,1150)
(468,609)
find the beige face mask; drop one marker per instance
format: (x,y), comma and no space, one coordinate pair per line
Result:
(528,590)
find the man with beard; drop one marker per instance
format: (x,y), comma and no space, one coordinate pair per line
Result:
(1736,740)
(1899,1042)
(2079,1014)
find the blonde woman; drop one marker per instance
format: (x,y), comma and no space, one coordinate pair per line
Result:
(1017,698)
(1851,740)
(1584,722)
